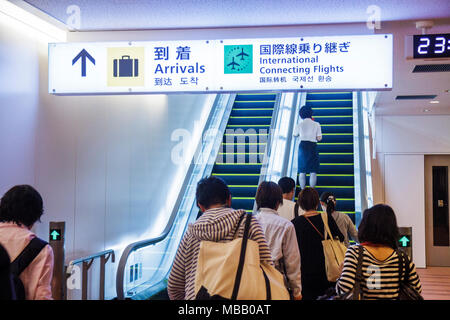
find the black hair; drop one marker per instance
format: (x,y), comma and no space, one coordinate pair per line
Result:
(379,225)
(286,184)
(22,205)
(330,200)
(305,112)
(308,199)
(212,191)
(268,195)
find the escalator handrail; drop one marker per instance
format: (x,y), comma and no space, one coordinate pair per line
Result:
(268,149)
(152,241)
(292,167)
(263,170)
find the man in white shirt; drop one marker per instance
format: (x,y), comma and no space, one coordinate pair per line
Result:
(286,209)
(280,236)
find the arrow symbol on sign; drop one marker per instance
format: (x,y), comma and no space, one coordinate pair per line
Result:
(83,55)
(54,235)
(404,240)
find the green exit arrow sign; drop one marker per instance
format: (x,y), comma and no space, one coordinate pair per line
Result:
(55,234)
(404,241)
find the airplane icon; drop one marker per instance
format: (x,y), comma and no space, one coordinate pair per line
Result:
(242,54)
(232,64)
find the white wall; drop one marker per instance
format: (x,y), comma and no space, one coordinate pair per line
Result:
(19,104)
(102,163)
(404,192)
(398,170)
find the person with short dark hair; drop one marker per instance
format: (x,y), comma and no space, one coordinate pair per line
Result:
(20,208)
(211,191)
(268,195)
(378,234)
(310,133)
(310,231)
(286,209)
(280,235)
(218,223)
(343,221)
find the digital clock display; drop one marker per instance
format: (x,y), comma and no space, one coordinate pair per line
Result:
(432,46)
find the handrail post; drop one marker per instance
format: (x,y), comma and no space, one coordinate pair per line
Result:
(103,260)
(85,267)
(86,263)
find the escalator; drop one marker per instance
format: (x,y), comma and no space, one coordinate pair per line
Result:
(334,112)
(240,159)
(254,144)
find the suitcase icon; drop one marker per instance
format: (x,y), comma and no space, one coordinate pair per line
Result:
(124,67)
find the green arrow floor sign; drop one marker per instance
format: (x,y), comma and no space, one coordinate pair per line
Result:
(404,241)
(55,234)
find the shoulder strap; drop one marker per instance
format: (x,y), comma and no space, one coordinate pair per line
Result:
(407,269)
(238,225)
(321,235)
(358,275)
(327,230)
(237,281)
(403,263)
(27,255)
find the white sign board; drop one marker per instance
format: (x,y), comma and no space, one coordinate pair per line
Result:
(303,63)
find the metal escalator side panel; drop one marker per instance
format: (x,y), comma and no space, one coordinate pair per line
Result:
(164,246)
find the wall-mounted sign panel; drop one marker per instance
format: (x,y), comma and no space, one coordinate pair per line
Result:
(136,67)
(308,63)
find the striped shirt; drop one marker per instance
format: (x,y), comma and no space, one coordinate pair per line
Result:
(381,277)
(219,225)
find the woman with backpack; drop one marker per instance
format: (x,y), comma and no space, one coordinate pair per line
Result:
(31,258)
(384,267)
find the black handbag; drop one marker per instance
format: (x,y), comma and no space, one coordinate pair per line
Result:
(406,291)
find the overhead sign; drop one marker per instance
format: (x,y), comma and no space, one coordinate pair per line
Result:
(302,63)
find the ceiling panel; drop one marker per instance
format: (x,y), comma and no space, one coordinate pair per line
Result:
(167,14)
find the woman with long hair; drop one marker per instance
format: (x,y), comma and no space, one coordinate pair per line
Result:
(343,221)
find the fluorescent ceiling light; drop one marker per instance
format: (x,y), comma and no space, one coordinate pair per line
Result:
(434,101)
(14,16)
